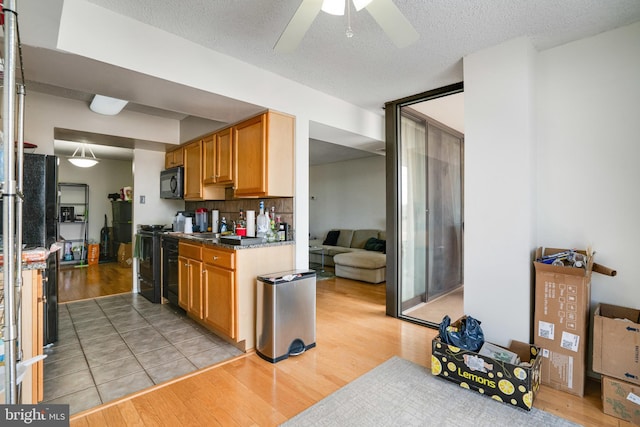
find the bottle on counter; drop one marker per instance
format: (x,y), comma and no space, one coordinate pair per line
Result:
(179,222)
(262,222)
(223,225)
(241,225)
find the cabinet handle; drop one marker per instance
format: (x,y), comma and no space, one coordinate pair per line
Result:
(215,257)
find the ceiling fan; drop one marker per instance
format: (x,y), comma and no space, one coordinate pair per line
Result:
(386,14)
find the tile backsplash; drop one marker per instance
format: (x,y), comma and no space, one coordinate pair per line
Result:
(230,209)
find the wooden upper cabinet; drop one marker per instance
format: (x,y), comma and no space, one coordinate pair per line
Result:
(224,157)
(193,171)
(218,158)
(264,156)
(174,158)
(209,159)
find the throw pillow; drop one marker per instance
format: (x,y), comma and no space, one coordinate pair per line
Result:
(332,238)
(374,244)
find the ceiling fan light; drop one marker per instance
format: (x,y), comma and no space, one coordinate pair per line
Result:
(333,7)
(106,105)
(361,4)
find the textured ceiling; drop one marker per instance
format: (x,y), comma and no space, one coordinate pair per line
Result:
(368,70)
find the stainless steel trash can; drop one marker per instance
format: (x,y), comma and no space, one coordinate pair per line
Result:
(285,314)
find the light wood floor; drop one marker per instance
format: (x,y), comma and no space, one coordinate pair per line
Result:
(78,283)
(353,336)
(451,304)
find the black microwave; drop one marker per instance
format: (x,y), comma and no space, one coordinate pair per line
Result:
(172,183)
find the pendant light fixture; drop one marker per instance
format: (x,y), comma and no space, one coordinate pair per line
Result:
(82,161)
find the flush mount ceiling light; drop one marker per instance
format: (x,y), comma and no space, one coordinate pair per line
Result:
(385,13)
(106,105)
(83,161)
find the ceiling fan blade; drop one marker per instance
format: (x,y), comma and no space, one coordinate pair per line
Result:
(393,22)
(298,25)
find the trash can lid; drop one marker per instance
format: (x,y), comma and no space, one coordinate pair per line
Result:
(286,276)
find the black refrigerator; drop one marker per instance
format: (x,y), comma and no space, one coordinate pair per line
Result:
(40,228)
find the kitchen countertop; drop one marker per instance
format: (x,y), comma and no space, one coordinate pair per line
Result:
(32,259)
(211,241)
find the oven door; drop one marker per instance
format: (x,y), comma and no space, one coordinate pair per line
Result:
(149,266)
(170,270)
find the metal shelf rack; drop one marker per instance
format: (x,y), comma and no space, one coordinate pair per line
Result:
(73,221)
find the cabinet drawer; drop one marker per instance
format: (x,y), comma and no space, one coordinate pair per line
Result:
(190,251)
(219,257)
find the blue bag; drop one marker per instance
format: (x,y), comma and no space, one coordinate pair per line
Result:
(468,336)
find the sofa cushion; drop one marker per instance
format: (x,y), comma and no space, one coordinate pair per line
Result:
(345,238)
(360,237)
(332,238)
(374,244)
(362,259)
(335,250)
(382,235)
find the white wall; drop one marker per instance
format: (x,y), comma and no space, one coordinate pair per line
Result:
(499,196)
(97,33)
(583,166)
(588,154)
(108,176)
(348,194)
(44,112)
(192,127)
(147,167)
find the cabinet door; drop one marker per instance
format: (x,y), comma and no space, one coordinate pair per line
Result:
(219,289)
(209,159)
(250,146)
(193,171)
(224,157)
(178,157)
(183,282)
(173,158)
(195,289)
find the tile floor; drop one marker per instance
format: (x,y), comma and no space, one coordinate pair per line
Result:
(111,346)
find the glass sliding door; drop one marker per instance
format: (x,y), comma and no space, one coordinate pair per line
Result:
(431,211)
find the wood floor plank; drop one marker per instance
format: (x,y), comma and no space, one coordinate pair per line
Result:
(130,414)
(78,283)
(353,335)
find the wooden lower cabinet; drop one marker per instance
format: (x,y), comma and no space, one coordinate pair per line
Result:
(226,286)
(190,279)
(195,289)
(219,289)
(32,323)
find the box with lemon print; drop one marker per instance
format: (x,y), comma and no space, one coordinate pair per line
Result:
(505,382)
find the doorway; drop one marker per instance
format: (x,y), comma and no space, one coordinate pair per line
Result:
(426,219)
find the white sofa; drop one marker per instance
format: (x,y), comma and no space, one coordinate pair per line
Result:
(350,257)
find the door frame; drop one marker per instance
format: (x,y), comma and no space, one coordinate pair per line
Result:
(392,135)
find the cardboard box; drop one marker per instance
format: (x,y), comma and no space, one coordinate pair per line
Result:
(124,255)
(621,399)
(513,384)
(561,322)
(616,342)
